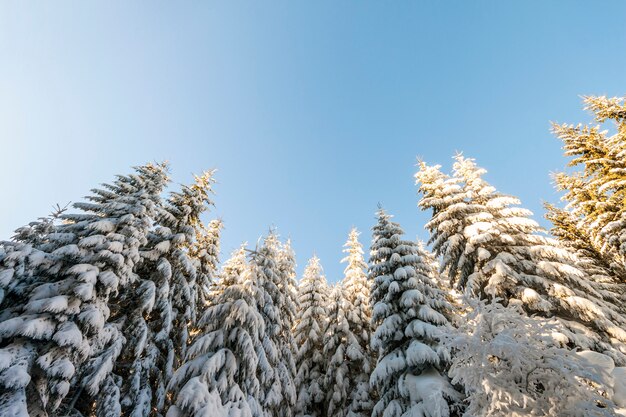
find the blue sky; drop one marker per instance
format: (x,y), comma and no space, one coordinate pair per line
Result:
(313,112)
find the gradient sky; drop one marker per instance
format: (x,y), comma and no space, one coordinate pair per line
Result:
(313,112)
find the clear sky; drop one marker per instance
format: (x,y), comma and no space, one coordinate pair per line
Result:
(313,112)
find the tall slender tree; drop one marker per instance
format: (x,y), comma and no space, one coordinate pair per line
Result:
(205,251)
(220,370)
(162,308)
(409,316)
(337,377)
(348,336)
(309,337)
(289,309)
(275,371)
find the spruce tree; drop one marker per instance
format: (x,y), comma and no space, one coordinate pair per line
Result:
(606,277)
(492,249)
(336,378)
(231,271)
(289,309)
(182,219)
(595,194)
(347,338)
(223,359)
(162,308)
(205,251)
(275,370)
(59,344)
(309,337)
(409,317)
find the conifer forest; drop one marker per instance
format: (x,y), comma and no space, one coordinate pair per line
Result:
(124,305)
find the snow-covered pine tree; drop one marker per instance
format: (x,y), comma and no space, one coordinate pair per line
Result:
(597,192)
(566,229)
(408,318)
(205,251)
(336,378)
(444,196)
(58,343)
(309,334)
(162,307)
(232,269)
(492,248)
(507,366)
(275,369)
(219,376)
(182,219)
(35,233)
(288,287)
(355,322)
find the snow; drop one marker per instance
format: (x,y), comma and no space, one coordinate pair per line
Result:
(15,377)
(109,279)
(425,391)
(419,353)
(68,334)
(102,226)
(68,251)
(34,326)
(613,378)
(598,361)
(619,386)
(6,276)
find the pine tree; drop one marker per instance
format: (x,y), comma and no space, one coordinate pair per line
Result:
(182,218)
(597,192)
(492,249)
(308,334)
(409,316)
(59,344)
(232,269)
(347,338)
(605,276)
(289,309)
(450,213)
(275,371)
(220,370)
(205,251)
(164,303)
(336,378)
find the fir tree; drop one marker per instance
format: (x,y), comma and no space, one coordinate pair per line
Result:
(309,334)
(596,193)
(182,220)
(231,271)
(409,316)
(223,360)
(275,370)
(205,251)
(336,378)
(164,303)
(606,276)
(347,338)
(59,344)
(492,249)
(289,309)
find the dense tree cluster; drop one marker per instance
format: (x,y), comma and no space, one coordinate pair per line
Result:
(120,306)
